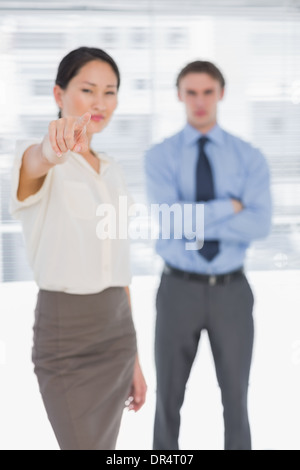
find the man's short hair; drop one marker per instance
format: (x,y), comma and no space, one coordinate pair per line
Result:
(202,66)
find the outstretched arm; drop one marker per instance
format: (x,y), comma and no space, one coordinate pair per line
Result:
(63,135)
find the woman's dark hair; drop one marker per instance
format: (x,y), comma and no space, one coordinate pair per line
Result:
(75,60)
(202,66)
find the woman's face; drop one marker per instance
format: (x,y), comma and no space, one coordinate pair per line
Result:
(93,90)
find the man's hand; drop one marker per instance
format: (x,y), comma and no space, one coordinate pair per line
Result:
(138,391)
(237,205)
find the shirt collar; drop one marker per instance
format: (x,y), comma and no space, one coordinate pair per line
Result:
(191,135)
(105,162)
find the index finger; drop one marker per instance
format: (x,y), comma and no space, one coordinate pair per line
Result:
(82,121)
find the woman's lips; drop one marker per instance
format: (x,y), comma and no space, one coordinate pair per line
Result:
(97,117)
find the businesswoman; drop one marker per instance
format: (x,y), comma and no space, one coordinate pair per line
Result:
(84,349)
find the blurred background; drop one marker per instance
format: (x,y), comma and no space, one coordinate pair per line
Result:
(256,43)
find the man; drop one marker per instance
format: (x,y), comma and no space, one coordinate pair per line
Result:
(206,288)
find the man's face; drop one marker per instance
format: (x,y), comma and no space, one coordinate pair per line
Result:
(201,94)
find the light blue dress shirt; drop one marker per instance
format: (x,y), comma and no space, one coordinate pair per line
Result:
(240,172)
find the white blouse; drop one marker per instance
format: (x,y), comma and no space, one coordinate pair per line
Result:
(60,226)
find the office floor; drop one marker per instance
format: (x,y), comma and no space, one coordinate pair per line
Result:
(275,380)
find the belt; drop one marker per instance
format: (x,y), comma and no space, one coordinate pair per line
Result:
(211,280)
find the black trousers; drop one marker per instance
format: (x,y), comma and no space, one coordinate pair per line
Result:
(184,309)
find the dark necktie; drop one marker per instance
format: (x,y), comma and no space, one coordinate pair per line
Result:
(205,192)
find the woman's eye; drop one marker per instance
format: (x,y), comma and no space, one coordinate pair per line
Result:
(110,93)
(86,90)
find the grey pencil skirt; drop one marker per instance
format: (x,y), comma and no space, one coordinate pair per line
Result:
(84,353)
